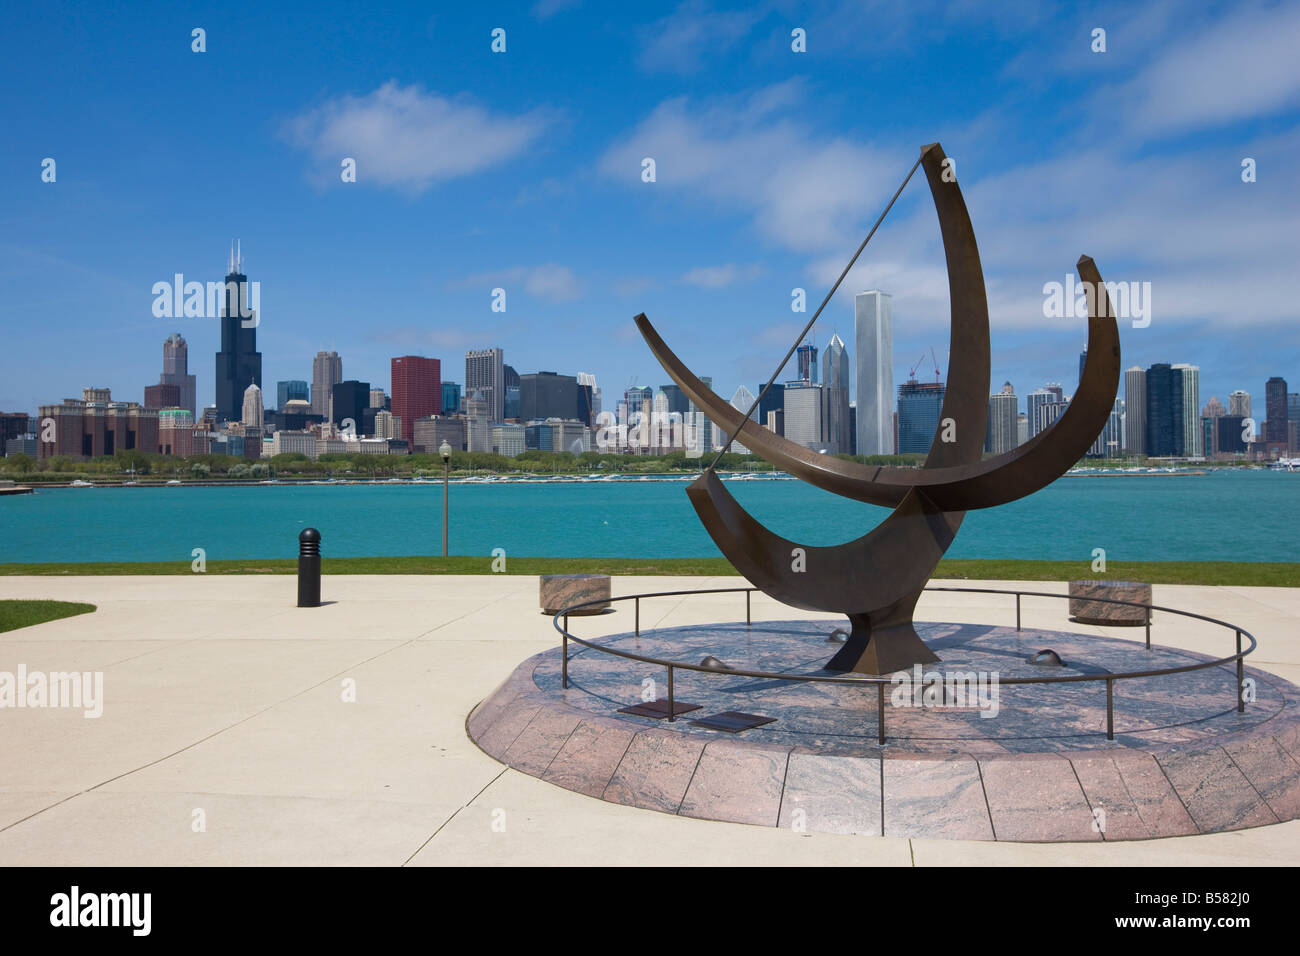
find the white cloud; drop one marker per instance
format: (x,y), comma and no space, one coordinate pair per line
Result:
(719,277)
(1219,253)
(680,42)
(632,285)
(550,282)
(1237,68)
(408,138)
(806,193)
(545,9)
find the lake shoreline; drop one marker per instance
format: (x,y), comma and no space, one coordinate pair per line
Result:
(1214,573)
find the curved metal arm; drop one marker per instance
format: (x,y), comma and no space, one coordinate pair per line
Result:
(994,481)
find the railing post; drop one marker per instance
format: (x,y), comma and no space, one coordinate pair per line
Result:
(1149,629)
(672,715)
(747,593)
(564,655)
(1241,679)
(638,617)
(1017,610)
(1110,708)
(880,710)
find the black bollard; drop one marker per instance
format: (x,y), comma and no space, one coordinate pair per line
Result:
(309,568)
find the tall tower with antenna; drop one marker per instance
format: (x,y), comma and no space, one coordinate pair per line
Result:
(239,364)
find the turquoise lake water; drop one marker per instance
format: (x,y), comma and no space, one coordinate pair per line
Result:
(1228,515)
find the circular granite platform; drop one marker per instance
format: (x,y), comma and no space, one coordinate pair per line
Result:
(1019,762)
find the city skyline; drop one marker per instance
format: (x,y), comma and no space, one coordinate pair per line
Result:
(565,398)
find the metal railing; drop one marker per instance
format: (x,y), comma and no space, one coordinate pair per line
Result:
(882,681)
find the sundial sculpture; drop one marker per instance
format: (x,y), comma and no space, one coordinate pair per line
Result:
(878,578)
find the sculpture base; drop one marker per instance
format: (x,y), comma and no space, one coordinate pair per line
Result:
(881,649)
(1028,762)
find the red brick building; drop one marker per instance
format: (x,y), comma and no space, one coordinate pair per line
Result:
(176,431)
(162,396)
(417,391)
(90,429)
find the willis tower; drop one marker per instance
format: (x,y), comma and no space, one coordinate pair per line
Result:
(239,364)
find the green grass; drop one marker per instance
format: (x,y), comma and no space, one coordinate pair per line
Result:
(1253,574)
(16,614)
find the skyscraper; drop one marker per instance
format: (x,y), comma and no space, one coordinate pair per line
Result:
(511,378)
(699,430)
(586,395)
(450,398)
(1276,410)
(292,390)
(163,396)
(1048,413)
(417,390)
(1109,440)
(807,362)
(176,366)
(1164,412)
(252,409)
(919,408)
(545,395)
(1036,400)
(1135,411)
(835,397)
(588,380)
(1229,438)
(485,373)
(873,324)
(239,364)
(351,403)
(677,400)
(741,402)
(1193,436)
(1003,407)
(773,401)
(326,372)
(803,414)
(479,426)
(637,401)
(1239,403)
(1293,421)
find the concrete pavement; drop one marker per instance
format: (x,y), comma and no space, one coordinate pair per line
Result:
(239,729)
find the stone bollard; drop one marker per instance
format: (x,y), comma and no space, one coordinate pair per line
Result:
(309,568)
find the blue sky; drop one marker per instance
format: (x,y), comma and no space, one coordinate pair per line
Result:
(522,170)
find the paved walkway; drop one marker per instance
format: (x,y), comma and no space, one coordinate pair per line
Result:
(227,736)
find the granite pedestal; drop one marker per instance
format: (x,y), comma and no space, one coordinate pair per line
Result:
(559,591)
(1025,762)
(1085,609)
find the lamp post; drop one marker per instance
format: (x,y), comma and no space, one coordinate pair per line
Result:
(445,450)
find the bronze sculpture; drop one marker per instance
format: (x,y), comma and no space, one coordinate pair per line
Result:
(877,579)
